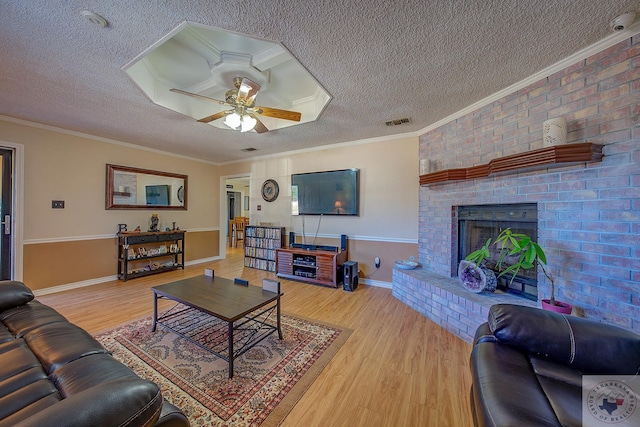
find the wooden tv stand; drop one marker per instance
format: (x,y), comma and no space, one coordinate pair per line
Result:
(312,266)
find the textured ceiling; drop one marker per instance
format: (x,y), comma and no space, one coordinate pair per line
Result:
(379,60)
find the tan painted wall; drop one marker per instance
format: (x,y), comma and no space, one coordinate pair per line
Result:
(73,243)
(60,263)
(388,223)
(73,168)
(201,245)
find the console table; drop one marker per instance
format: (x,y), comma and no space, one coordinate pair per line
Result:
(312,266)
(138,250)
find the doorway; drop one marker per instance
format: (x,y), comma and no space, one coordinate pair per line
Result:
(234,202)
(7,228)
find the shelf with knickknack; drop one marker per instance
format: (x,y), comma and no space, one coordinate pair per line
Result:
(260,244)
(554,156)
(152,252)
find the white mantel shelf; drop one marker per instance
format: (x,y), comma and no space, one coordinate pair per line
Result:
(559,155)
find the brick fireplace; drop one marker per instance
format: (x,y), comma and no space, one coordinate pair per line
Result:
(588,213)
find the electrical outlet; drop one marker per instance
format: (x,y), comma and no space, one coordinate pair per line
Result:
(57,204)
(377,262)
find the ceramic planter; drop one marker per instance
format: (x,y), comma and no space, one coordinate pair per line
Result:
(559,307)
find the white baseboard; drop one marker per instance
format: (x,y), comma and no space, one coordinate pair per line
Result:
(376,283)
(83,283)
(74,285)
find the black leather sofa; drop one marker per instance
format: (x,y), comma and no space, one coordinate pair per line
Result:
(527,365)
(53,373)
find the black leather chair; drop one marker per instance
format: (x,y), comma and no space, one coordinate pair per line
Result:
(527,365)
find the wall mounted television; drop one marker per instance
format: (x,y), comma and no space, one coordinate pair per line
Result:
(325,193)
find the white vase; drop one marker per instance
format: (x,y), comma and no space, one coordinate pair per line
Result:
(554,132)
(426,166)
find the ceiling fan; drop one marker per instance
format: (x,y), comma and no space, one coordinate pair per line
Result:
(244,112)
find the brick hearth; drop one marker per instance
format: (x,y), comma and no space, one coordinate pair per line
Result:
(446,302)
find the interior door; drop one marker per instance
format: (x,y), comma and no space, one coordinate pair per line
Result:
(6,214)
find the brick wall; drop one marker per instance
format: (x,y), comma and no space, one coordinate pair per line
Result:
(589,215)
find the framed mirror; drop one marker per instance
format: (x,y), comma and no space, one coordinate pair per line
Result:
(133,188)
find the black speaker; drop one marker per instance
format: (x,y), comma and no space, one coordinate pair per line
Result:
(350,275)
(292,238)
(343,242)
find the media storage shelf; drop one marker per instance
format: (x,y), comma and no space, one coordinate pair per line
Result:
(260,245)
(312,266)
(144,253)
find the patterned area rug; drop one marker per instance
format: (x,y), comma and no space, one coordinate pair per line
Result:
(268,379)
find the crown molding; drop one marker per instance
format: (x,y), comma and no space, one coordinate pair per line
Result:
(591,50)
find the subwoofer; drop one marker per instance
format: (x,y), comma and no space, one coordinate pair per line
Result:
(350,275)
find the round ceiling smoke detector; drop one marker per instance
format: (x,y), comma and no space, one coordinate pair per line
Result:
(94,18)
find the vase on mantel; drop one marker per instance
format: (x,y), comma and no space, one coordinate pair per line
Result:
(554,132)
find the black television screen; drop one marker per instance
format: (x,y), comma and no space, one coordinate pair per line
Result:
(157,195)
(325,193)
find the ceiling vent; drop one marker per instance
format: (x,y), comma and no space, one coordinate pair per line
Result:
(398,121)
(248,150)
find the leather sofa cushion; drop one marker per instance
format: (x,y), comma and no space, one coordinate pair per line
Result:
(21,319)
(563,388)
(5,334)
(13,293)
(87,372)
(585,345)
(57,344)
(505,389)
(23,382)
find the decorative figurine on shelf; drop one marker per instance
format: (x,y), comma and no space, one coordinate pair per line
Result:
(122,228)
(137,230)
(153,222)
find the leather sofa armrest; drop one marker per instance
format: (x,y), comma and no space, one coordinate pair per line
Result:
(171,416)
(13,294)
(586,345)
(131,402)
(484,334)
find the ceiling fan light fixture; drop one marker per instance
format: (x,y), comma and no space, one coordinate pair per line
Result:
(248,123)
(233,120)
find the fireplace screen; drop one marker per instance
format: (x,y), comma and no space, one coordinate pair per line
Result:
(476,224)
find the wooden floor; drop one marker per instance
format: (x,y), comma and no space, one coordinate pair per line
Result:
(397,369)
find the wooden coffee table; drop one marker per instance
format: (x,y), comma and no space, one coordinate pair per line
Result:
(243,308)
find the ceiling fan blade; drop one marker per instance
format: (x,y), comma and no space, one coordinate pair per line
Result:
(278,114)
(247,91)
(195,95)
(215,116)
(259,127)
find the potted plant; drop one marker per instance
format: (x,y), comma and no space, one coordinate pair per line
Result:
(528,253)
(473,273)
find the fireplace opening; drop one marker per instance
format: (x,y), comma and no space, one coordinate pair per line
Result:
(478,223)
